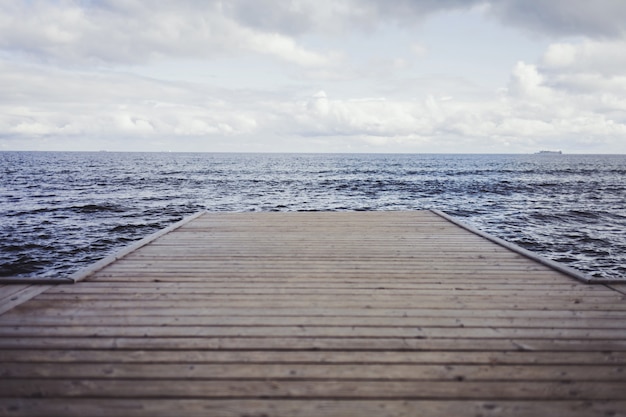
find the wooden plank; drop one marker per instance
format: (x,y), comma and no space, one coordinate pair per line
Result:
(372,357)
(286,302)
(399,296)
(379,332)
(317,371)
(327,389)
(325,321)
(381,293)
(306,408)
(51,308)
(242,286)
(321,343)
(291,343)
(307,276)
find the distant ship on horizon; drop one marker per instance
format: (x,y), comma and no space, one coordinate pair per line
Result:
(549,153)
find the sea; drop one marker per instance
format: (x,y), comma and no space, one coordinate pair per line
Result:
(63,211)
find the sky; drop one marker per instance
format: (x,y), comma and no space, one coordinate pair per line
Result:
(419,76)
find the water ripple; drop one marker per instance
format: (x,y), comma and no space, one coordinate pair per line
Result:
(63,211)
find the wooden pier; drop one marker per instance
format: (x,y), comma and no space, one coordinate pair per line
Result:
(315,314)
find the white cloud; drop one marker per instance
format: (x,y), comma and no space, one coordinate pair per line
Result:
(285,48)
(527,83)
(529,112)
(73,70)
(48,103)
(110,33)
(560,55)
(606,58)
(419,50)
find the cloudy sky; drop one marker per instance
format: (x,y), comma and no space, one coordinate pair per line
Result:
(495,76)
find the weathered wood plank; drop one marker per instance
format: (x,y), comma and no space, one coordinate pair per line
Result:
(307,276)
(317,371)
(372,357)
(380,296)
(408,289)
(279,285)
(362,389)
(70,407)
(378,332)
(324,321)
(335,303)
(51,308)
(303,343)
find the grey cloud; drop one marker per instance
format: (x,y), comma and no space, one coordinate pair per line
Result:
(111,32)
(598,18)
(411,10)
(269,15)
(299,17)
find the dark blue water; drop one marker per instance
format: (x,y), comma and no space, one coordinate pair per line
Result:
(60,212)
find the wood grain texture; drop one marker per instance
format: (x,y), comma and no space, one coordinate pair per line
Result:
(315,314)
